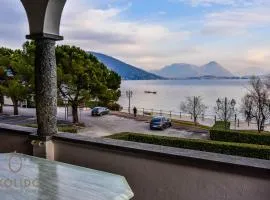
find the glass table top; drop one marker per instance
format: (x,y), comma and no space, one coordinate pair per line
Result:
(24,177)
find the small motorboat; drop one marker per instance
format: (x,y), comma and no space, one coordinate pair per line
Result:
(150,92)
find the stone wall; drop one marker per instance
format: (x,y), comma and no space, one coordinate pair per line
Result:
(15,138)
(162,173)
(154,172)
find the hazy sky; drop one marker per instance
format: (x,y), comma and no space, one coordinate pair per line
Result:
(153,33)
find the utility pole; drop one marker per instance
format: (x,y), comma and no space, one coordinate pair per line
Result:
(129,95)
(225,113)
(194,109)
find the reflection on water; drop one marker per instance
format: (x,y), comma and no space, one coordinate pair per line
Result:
(170,93)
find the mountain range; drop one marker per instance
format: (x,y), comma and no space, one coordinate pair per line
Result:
(183,70)
(126,71)
(174,71)
(256,71)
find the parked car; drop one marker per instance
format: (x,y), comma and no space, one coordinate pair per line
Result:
(99,111)
(160,122)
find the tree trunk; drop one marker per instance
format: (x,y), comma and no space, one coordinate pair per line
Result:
(75,114)
(15,106)
(1,103)
(262,124)
(195,120)
(258,125)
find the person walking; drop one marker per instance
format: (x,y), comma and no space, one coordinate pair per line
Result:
(135,111)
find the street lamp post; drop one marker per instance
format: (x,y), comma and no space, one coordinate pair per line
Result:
(65,101)
(129,95)
(228,106)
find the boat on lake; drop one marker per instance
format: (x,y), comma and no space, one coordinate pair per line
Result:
(150,92)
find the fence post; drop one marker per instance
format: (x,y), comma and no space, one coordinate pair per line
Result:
(235,116)
(215,118)
(238,124)
(143,111)
(180,114)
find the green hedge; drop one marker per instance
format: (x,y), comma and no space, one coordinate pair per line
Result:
(250,137)
(240,149)
(221,125)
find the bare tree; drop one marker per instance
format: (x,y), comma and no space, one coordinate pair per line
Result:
(247,108)
(259,96)
(194,106)
(225,109)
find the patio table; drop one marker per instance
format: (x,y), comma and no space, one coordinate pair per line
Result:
(25,177)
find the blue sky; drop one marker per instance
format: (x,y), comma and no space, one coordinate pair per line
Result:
(152,34)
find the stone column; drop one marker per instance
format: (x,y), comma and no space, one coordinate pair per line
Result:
(46,87)
(44,18)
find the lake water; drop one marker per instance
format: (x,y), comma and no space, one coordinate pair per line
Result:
(170,93)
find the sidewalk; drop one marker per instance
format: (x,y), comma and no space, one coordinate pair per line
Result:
(206,121)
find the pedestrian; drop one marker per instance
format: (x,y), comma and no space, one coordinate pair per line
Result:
(135,111)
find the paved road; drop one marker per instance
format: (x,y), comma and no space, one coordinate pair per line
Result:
(100,126)
(110,124)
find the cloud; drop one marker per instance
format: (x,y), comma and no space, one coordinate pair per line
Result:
(236,21)
(162,12)
(104,30)
(235,3)
(13,24)
(227,35)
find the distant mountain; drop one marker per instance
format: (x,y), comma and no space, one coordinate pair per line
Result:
(253,71)
(183,70)
(126,71)
(178,70)
(214,69)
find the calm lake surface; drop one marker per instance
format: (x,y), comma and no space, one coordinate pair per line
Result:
(170,93)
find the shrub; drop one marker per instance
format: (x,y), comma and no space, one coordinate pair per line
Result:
(114,106)
(250,137)
(240,136)
(239,149)
(221,125)
(92,104)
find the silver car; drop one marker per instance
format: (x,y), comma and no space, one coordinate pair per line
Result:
(99,111)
